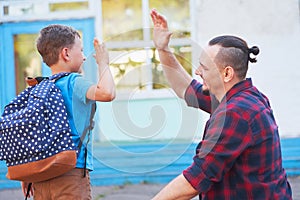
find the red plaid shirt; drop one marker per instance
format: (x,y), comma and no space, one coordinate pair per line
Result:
(239,156)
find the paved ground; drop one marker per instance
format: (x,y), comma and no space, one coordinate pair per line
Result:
(131,192)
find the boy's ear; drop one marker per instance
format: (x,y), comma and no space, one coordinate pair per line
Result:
(65,54)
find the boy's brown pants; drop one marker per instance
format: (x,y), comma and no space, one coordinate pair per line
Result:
(71,185)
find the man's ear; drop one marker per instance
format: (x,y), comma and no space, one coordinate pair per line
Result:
(65,54)
(228,74)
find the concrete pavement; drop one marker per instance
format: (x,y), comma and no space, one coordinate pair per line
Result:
(143,191)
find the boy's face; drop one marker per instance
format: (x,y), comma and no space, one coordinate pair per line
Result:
(76,55)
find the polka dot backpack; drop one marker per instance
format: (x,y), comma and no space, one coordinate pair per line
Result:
(35,135)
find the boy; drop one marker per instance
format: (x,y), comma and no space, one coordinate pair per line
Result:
(61,49)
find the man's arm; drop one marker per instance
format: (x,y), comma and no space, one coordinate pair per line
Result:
(105,88)
(176,75)
(178,189)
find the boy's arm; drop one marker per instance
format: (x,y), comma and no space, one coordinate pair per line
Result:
(105,88)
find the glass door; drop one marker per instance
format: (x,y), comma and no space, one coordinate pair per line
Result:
(19,57)
(27,60)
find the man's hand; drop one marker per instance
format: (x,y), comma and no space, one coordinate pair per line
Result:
(161,33)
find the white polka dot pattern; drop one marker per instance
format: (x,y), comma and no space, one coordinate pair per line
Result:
(34,125)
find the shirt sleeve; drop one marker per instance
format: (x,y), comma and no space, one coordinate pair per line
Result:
(195,97)
(81,87)
(226,138)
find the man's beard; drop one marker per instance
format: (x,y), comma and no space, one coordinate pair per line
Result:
(206,92)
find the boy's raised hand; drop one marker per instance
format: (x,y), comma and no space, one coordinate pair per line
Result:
(101,54)
(161,33)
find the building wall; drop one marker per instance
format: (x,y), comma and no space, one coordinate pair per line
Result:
(275,31)
(141,120)
(271,25)
(274,27)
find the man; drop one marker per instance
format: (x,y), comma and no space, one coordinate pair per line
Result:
(239,156)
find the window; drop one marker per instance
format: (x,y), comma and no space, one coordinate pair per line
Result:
(135,62)
(46,9)
(122,20)
(75,5)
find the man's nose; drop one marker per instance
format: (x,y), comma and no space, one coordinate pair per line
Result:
(198,72)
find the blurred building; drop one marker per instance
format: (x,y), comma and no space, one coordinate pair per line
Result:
(147,111)
(145,106)
(125,28)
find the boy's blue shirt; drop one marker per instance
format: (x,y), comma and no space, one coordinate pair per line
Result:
(74,88)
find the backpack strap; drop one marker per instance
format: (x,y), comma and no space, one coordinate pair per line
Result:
(28,190)
(88,130)
(55,77)
(33,81)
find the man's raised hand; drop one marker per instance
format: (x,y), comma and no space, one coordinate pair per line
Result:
(161,33)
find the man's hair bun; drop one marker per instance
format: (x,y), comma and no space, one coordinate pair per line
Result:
(255,51)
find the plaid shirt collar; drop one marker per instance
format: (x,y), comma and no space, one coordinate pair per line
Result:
(237,88)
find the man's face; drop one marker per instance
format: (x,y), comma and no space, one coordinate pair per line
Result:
(209,71)
(76,55)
